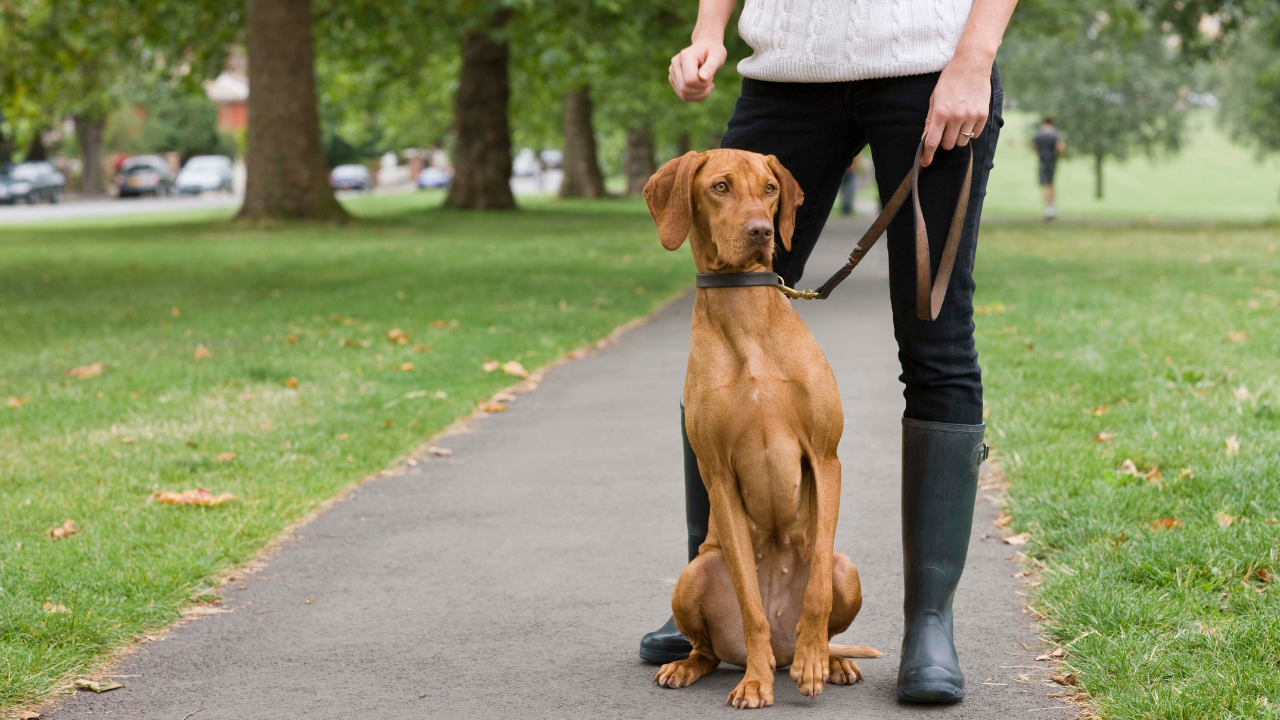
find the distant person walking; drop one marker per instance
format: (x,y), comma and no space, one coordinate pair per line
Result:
(1049,146)
(848,188)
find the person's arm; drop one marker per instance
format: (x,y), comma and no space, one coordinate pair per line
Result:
(962,98)
(1059,148)
(693,69)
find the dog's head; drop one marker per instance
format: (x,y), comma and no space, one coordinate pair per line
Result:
(726,200)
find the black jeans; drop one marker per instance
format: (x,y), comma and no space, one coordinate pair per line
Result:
(815,130)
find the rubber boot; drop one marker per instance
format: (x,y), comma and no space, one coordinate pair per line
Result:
(666,644)
(940,464)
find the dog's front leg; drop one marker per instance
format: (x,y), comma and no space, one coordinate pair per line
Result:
(734,534)
(811,666)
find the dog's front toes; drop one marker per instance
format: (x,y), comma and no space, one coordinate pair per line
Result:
(683,673)
(810,669)
(751,694)
(844,671)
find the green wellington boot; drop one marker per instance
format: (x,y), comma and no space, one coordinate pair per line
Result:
(940,464)
(666,644)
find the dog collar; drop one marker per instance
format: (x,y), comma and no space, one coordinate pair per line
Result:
(752,279)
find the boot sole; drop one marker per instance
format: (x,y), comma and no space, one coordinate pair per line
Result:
(931,692)
(662,656)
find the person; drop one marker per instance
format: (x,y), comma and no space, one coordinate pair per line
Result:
(1049,147)
(848,187)
(824,81)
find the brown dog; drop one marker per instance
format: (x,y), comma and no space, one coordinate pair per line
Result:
(764,417)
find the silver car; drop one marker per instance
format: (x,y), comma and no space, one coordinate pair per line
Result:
(205,173)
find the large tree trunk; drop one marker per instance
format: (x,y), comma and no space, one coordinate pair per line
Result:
(89,135)
(287,177)
(582,176)
(35,149)
(640,164)
(482,152)
(1097,176)
(683,144)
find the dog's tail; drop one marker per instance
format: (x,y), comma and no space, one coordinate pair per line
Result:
(854,651)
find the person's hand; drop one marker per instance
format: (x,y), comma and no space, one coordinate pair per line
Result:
(693,69)
(960,103)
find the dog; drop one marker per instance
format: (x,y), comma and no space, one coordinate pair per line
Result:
(763,415)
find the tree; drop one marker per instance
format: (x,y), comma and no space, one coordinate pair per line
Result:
(582,176)
(1251,105)
(482,154)
(1108,99)
(287,178)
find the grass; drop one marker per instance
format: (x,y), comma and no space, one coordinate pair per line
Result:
(311,303)
(1169,340)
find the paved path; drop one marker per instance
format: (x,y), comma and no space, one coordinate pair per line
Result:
(515,579)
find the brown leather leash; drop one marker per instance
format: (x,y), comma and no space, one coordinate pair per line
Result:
(929,295)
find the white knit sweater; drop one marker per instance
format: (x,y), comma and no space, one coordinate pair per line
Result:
(839,40)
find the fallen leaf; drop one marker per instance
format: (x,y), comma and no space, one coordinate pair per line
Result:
(67,529)
(1121,539)
(265,426)
(421,348)
(128,440)
(1168,523)
(199,496)
(1206,628)
(491,365)
(175,312)
(503,396)
(1004,520)
(246,397)
(1242,393)
(96,685)
(986,413)
(493,407)
(1065,678)
(348,342)
(202,352)
(1127,468)
(29,715)
(1272,521)
(439,451)
(1224,520)
(444,324)
(341,437)
(53,609)
(1104,437)
(1186,474)
(1264,575)
(87,371)
(225,457)
(1101,410)
(291,382)
(440,395)
(406,366)
(1019,539)
(291,339)
(576,354)
(398,336)
(515,368)
(1238,336)
(17,402)
(386,423)
(309,601)
(1233,445)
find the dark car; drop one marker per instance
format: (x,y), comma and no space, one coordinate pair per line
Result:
(31,182)
(145,175)
(350,177)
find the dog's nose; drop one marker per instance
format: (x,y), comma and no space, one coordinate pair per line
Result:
(760,231)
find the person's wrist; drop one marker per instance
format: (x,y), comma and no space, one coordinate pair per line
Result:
(978,58)
(707,36)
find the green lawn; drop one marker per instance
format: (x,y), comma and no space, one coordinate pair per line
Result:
(1168,340)
(313,304)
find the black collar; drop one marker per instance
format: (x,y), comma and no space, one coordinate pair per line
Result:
(738,279)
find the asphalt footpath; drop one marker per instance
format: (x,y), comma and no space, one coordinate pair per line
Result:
(514,578)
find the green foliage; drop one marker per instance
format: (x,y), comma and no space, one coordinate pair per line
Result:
(186,124)
(1251,106)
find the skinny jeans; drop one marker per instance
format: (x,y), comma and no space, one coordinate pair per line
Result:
(815,130)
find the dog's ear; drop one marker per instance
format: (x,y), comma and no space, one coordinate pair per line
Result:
(669,194)
(791,198)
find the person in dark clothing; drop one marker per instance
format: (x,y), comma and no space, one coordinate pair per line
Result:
(848,189)
(1049,147)
(825,81)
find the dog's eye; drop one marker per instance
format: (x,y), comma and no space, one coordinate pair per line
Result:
(721,186)
(770,188)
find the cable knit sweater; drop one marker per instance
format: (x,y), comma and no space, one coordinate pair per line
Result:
(838,40)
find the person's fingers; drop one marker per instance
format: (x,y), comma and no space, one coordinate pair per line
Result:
(689,62)
(932,137)
(677,75)
(714,61)
(950,132)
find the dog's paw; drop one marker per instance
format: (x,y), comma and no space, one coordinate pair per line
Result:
(683,673)
(844,671)
(810,669)
(751,694)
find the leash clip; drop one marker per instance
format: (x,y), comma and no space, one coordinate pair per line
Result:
(797,294)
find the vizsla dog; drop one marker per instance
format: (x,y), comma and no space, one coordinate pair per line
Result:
(764,417)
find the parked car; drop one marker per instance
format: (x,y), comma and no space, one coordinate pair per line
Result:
(433,178)
(31,182)
(350,177)
(205,173)
(145,175)
(525,164)
(551,158)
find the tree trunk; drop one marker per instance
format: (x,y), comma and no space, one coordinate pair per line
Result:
(287,177)
(582,176)
(683,144)
(35,149)
(1097,176)
(89,135)
(482,152)
(640,165)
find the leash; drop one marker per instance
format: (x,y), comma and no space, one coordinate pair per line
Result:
(929,295)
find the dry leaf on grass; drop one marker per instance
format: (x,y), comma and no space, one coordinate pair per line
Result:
(203,352)
(29,715)
(398,336)
(98,686)
(85,372)
(199,496)
(17,402)
(1224,520)
(291,383)
(225,457)
(53,609)
(439,451)
(67,529)
(503,396)
(1101,410)
(491,365)
(1065,678)
(1264,575)
(1233,445)
(1168,523)
(348,342)
(1104,437)
(1055,654)
(493,407)
(444,324)
(1238,336)
(405,367)
(1019,539)
(515,368)
(1129,468)
(1004,520)
(341,436)
(419,347)
(1242,393)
